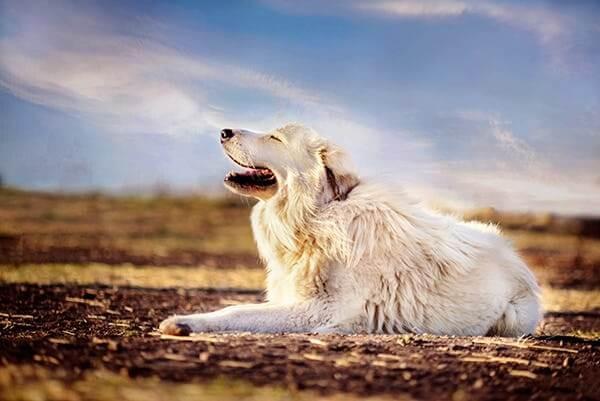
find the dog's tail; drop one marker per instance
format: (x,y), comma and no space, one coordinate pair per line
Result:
(524,311)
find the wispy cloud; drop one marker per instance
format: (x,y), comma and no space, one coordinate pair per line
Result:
(126,82)
(551,29)
(86,62)
(412,8)
(137,84)
(507,139)
(514,190)
(494,127)
(546,24)
(500,168)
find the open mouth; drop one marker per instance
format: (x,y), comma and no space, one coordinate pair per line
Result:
(260,177)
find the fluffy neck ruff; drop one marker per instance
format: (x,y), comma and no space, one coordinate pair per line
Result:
(291,218)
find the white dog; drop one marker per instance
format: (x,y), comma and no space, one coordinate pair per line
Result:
(347,256)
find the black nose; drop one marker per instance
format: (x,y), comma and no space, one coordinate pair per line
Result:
(226,134)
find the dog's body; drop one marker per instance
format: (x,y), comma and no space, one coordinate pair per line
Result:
(347,256)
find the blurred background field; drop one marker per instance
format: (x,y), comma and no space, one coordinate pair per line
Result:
(160,239)
(189,241)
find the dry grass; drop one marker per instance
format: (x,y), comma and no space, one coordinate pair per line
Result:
(144,225)
(555,243)
(26,382)
(139,276)
(160,224)
(554,299)
(561,299)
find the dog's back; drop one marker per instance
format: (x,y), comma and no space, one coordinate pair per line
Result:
(415,270)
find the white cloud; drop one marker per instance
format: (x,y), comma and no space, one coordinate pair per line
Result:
(412,8)
(510,142)
(520,191)
(504,137)
(129,83)
(551,28)
(124,82)
(501,169)
(546,24)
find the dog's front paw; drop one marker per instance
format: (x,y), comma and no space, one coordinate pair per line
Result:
(174,326)
(181,326)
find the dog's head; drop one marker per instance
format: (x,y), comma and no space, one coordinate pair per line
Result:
(290,158)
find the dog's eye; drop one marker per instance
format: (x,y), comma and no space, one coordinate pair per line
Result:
(273,137)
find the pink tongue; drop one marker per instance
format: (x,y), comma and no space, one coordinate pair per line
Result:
(249,173)
(260,172)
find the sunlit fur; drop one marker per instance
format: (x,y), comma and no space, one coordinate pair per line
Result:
(350,256)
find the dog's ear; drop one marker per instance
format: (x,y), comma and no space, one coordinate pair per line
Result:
(339,172)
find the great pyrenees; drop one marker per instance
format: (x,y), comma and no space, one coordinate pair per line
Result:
(345,255)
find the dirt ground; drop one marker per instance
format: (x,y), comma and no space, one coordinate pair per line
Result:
(97,327)
(557,269)
(195,231)
(86,279)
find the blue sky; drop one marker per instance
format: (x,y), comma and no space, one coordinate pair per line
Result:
(474,103)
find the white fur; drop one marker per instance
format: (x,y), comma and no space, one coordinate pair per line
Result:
(349,256)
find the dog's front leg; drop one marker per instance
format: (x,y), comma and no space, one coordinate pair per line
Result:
(257,318)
